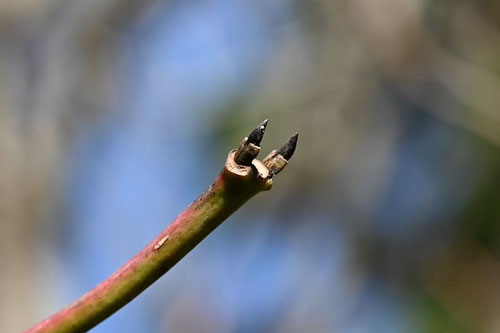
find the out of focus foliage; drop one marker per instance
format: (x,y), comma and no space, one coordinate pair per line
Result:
(115,114)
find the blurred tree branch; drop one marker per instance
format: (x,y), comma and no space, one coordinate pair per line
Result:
(56,76)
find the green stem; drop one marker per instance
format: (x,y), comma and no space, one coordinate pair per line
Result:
(232,188)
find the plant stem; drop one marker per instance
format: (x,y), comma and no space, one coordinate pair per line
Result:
(232,188)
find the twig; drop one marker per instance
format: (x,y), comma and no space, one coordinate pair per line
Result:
(242,177)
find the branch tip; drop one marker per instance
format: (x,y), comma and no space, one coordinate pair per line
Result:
(288,147)
(250,146)
(257,134)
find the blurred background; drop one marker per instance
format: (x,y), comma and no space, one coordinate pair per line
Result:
(115,115)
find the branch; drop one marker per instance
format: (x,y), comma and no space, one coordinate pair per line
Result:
(242,177)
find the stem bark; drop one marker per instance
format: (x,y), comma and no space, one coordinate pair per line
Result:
(235,185)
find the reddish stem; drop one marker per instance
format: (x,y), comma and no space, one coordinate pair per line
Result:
(232,188)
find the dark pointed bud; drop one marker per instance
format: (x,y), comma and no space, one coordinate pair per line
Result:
(257,134)
(288,147)
(250,146)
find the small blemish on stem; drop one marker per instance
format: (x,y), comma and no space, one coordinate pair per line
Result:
(160,243)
